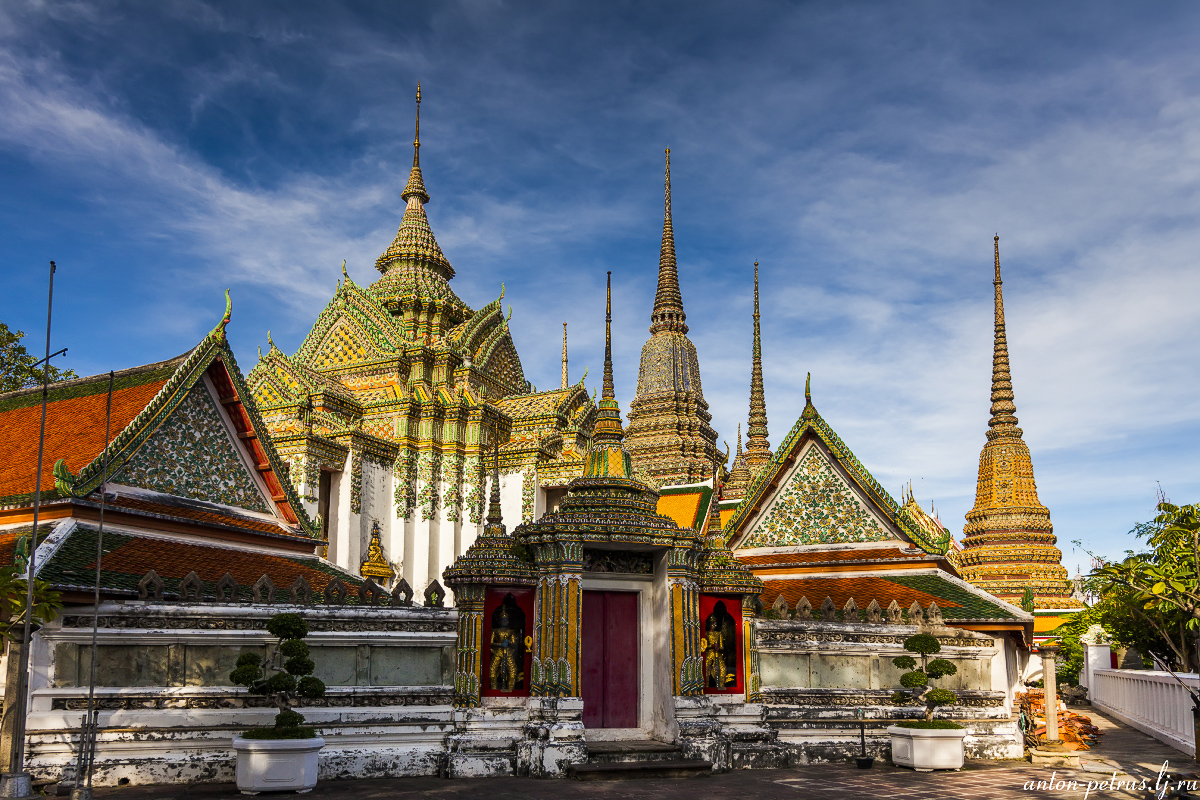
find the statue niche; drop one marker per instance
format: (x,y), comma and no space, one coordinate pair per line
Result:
(507,645)
(720,649)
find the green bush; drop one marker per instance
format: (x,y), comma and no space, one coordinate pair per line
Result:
(917,680)
(296,678)
(287,626)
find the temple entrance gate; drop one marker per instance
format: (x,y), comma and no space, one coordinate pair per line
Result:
(609,659)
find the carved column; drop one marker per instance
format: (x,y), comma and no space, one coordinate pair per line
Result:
(1050,682)
(469,658)
(750,651)
(686,662)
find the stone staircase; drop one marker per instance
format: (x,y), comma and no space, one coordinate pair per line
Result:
(637,759)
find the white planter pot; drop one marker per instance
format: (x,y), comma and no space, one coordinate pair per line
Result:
(273,765)
(927,750)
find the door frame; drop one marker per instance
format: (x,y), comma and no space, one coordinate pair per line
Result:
(647,696)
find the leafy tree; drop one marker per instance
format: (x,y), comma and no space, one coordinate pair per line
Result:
(17,369)
(917,680)
(294,681)
(1152,597)
(46,603)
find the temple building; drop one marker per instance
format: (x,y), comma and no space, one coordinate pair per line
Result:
(385,412)
(1008,542)
(670,437)
(624,605)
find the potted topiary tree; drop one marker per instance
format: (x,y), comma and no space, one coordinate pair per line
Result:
(283,757)
(928,744)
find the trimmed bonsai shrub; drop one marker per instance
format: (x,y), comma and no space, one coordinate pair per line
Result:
(917,680)
(283,685)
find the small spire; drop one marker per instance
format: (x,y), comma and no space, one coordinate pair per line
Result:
(668,302)
(344,275)
(808,390)
(1003,421)
(739,439)
(758,448)
(609,392)
(416,184)
(564,362)
(494,516)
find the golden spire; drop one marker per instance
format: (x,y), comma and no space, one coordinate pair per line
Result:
(607,456)
(668,302)
(495,518)
(758,449)
(1008,541)
(609,392)
(1003,421)
(416,185)
(564,364)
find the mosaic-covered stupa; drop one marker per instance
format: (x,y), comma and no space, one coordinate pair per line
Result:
(1008,541)
(670,438)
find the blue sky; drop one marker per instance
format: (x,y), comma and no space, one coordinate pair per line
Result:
(863,153)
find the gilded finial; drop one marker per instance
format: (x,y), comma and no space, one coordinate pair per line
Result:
(1004,420)
(668,301)
(270,341)
(808,389)
(758,447)
(494,516)
(609,391)
(344,275)
(506,319)
(416,184)
(565,384)
(260,352)
(501,290)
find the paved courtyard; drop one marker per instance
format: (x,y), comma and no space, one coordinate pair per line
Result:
(1131,755)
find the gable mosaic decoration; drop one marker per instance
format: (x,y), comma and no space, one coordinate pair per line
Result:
(817,506)
(191,455)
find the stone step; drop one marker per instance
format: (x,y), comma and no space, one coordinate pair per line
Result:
(632,751)
(624,770)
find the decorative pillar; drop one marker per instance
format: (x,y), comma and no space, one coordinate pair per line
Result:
(750,651)
(558,607)
(467,676)
(687,673)
(1049,681)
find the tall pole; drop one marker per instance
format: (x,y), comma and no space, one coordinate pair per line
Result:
(18,779)
(87,731)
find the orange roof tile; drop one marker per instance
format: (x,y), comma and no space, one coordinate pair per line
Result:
(200,515)
(74,424)
(863,589)
(682,508)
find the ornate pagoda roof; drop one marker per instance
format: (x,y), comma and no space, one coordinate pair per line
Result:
(860,510)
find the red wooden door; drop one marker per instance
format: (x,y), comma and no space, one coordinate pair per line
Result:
(610,659)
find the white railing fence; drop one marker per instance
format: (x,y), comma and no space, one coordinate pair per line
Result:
(1150,700)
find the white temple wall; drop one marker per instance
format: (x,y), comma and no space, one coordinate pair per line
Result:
(169,712)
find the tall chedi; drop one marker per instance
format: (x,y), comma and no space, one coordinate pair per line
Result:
(1008,542)
(670,437)
(757,455)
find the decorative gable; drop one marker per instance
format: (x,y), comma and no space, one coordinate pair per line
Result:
(193,455)
(345,344)
(816,504)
